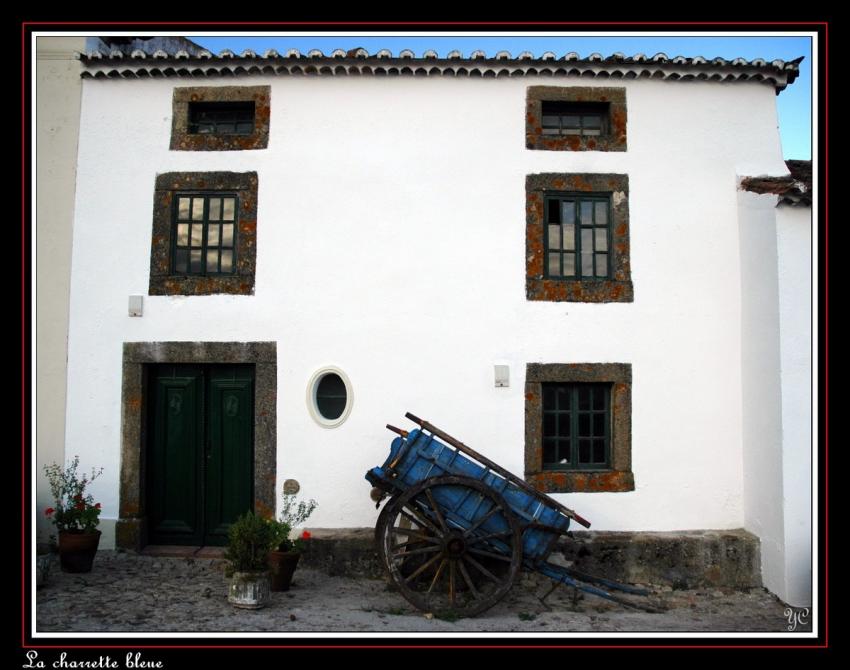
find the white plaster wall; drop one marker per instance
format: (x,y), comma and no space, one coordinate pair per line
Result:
(762,397)
(57,116)
(391,243)
(794,248)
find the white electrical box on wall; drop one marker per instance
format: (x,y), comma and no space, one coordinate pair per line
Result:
(135,305)
(503,376)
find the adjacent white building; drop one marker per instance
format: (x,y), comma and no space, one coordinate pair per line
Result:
(275,255)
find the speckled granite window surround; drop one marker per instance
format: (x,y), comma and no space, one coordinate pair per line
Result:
(183,140)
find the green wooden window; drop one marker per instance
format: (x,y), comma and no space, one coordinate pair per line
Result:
(578,237)
(204,235)
(570,118)
(576,426)
(221,118)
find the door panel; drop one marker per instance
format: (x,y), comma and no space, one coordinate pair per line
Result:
(174,465)
(200,451)
(229,455)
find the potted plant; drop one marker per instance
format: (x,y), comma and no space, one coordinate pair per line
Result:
(250,538)
(284,558)
(76,515)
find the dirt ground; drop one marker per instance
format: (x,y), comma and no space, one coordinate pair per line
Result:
(136,594)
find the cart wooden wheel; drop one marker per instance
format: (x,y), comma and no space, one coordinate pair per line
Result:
(451,545)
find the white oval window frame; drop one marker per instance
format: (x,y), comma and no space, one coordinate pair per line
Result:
(313,386)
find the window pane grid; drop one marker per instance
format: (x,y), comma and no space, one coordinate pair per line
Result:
(204,234)
(577,237)
(218,118)
(576,426)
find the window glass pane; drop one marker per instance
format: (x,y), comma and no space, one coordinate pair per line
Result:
(569,236)
(227,235)
(563,424)
(598,451)
(601,265)
(554,265)
(331,396)
(197,234)
(195,261)
(568,211)
(554,211)
(549,425)
(181,260)
(227,261)
(182,234)
(245,128)
(601,239)
(212,260)
(586,265)
(599,425)
(586,213)
(583,398)
(551,122)
(584,451)
(584,425)
(225,128)
(563,452)
(570,121)
(563,398)
(549,453)
(229,209)
(183,208)
(554,237)
(571,131)
(599,398)
(548,397)
(601,211)
(591,121)
(587,240)
(591,132)
(197,209)
(213,231)
(215,209)
(569,265)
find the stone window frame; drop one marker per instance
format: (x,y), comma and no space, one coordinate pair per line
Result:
(613,140)
(163,280)
(183,140)
(131,527)
(619,476)
(615,288)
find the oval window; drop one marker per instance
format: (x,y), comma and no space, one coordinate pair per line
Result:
(329,397)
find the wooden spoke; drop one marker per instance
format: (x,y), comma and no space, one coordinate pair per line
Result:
(422,568)
(480,521)
(413,552)
(437,575)
(436,508)
(465,574)
(484,571)
(490,554)
(481,538)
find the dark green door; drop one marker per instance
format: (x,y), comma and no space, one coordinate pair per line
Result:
(200,451)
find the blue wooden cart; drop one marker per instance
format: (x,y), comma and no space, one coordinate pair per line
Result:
(457,527)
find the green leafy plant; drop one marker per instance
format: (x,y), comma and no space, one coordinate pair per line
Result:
(293,513)
(75,511)
(250,539)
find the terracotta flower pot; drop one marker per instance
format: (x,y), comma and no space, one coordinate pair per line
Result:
(77,550)
(282,565)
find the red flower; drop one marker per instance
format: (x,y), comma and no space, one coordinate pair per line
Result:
(306,535)
(80,506)
(97,505)
(78,497)
(49,511)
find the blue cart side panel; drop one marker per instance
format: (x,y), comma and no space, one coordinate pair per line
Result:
(421,456)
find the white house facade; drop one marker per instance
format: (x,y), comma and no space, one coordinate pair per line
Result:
(276,255)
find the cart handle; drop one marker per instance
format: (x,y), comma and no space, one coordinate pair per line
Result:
(525,486)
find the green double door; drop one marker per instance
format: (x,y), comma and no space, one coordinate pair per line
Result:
(200,455)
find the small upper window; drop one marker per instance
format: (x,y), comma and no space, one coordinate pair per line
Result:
(569,118)
(575,118)
(221,118)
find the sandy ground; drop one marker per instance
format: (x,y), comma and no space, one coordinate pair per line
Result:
(134,594)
